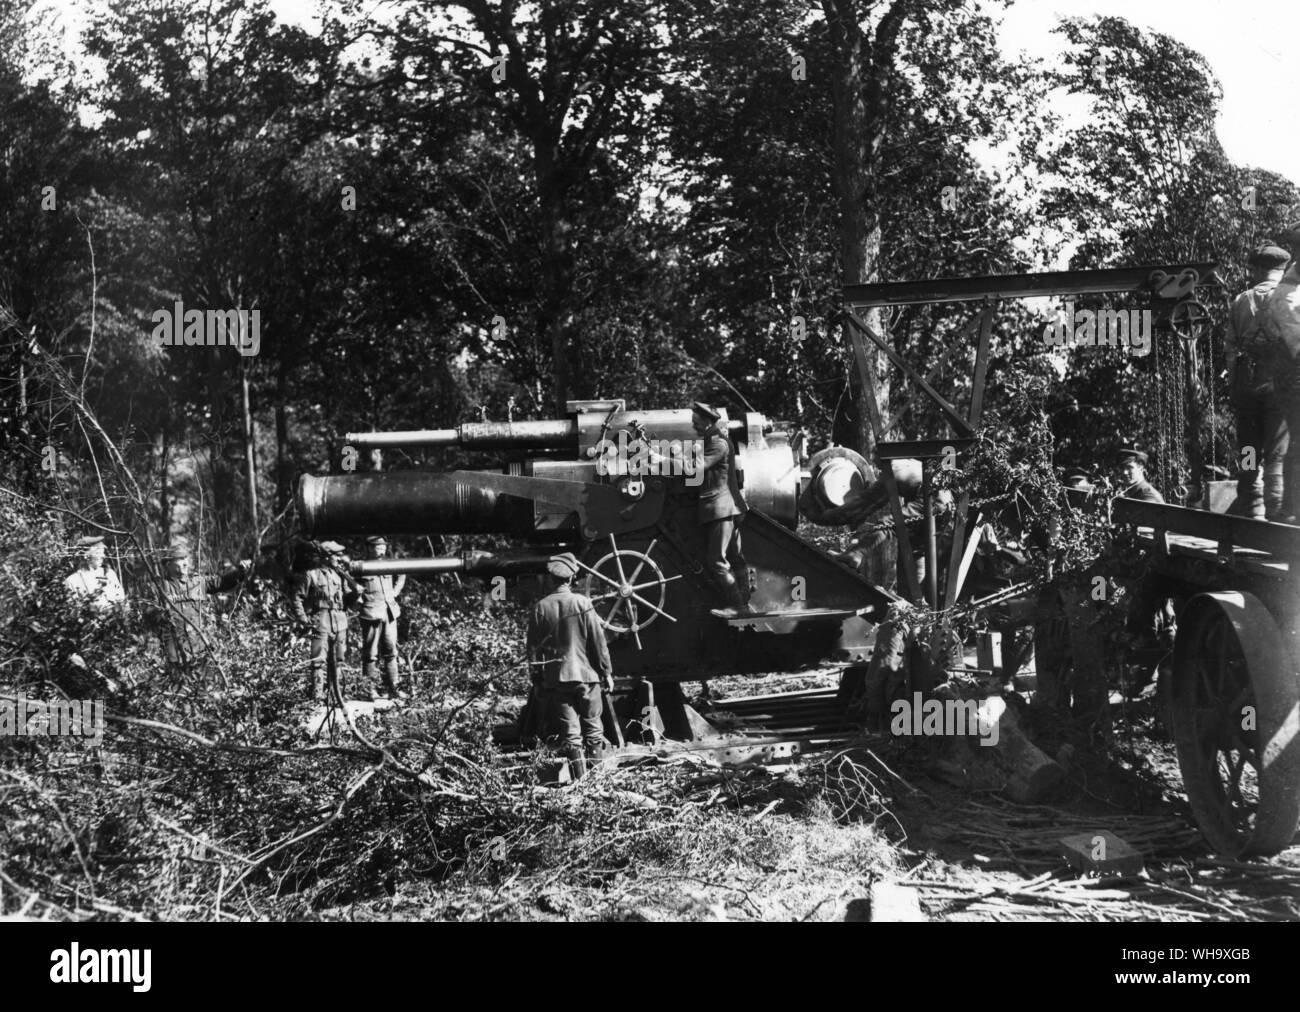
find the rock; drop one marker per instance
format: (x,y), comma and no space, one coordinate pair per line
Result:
(894,903)
(1101,853)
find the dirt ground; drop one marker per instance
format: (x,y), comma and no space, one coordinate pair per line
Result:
(806,840)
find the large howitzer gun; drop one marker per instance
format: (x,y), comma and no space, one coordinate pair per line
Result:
(619,489)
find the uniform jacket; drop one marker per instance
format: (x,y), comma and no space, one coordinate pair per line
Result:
(321,596)
(1243,337)
(1279,317)
(102,587)
(566,640)
(1144,491)
(379,598)
(720,496)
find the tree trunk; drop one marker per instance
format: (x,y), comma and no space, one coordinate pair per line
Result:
(164,491)
(283,489)
(250,448)
(862,67)
(555,319)
(218,462)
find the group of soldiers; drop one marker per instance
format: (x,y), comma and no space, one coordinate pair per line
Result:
(319,601)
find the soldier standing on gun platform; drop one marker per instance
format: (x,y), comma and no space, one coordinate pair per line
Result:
(1252,370)
(379,613)
(722,508)
(320,598)
(1278,322)
(569,659)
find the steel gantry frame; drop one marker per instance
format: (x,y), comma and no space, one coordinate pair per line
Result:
(1166,284)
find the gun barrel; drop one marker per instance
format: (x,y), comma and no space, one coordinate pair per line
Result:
(406,502)
(475,563)
(548,434)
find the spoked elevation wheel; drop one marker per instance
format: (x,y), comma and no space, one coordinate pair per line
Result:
(628,589)
(1236,723)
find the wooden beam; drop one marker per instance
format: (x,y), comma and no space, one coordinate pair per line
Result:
(957,559)
(958,423)
(1281,540)
(867,377)
(1020,286)
(920,449)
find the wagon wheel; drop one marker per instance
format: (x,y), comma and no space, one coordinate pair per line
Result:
(628,589)
(1235,711)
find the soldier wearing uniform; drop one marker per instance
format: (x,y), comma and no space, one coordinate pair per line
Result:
(93,581)
(1278,323)
(1253,363)
(320,599)
(1131,476)
(722,508)
(569,659)
(185,597)
(379,613)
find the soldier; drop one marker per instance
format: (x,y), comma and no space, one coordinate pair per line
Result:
(722,508)
(569,658)
(185,596)
(379,612)
(94,582)
(1278,322)
(320,598)
(1131,476)
(1252,368)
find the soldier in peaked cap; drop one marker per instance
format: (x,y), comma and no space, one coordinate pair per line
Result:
(1131,475)
(721,508)
(570,660)
(320,598)
(1278,327)
(379,614)
(1253,364)
(185,597)
(93,581)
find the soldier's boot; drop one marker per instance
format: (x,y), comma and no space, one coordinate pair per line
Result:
(316,684)
(1250,498)
(390,679)
(741,575)
(577,763)
(368,674)
(1274,495)
(732,594)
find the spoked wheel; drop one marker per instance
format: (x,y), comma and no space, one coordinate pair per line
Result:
(1235,711)
(628,589)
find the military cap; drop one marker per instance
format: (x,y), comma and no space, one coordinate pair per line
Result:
(330,547)
(1076,476)
(89,540)
(1126,453)
(176,552)
(700,408)
(563,566)
(1268,255)
(376,539)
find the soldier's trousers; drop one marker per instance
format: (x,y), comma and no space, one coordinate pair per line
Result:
(1289,399)
(573,718)
(723,556)
(328,649)
(1262,426)
(379,646)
